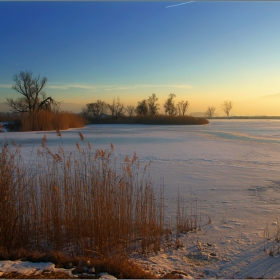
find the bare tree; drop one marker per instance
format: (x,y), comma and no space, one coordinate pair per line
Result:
(142,108)
(112,108)
(169,105)
(96,109)
(130,110)
(116,108)
(33,98)
(119,108)
(152,105)
(227,106)
(182,107)
(210,112)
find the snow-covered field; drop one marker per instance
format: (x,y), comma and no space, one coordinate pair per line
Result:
(231,166)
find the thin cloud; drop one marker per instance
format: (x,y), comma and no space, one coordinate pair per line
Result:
(83,86)
(61,87)
(268,96)
(179,4)
(116,87)
(69,86)
(184,86)
(58,87)
(119,88)
(170,86)
(5,86)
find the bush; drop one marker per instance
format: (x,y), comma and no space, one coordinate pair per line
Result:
(13,125)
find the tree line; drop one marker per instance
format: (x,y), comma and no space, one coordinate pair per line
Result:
(145,107)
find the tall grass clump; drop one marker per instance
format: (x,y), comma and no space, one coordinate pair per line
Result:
(45,120)
(187,217)
(81,203)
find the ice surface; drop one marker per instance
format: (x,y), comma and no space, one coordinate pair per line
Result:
(231,166)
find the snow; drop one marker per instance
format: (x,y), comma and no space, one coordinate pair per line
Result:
(231,166)
(105,275)
(28,268)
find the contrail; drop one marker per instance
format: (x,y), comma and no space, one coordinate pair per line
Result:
(179,4)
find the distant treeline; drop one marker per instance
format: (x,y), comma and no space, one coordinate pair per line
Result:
(146,112)
(146,107)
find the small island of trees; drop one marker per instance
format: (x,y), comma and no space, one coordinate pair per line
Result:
(146,112)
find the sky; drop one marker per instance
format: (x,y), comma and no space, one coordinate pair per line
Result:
(203,52)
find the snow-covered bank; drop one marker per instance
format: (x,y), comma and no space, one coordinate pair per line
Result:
(26,269)
(232,166)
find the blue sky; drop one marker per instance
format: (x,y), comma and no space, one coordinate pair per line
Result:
(204,52)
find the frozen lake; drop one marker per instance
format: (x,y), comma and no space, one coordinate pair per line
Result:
(239,159)
(232,166)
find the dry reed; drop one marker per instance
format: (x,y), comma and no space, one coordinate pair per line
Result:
(82,203)
(49,120)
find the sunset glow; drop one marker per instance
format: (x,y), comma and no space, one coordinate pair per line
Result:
(203,52)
